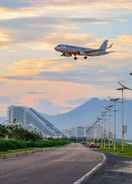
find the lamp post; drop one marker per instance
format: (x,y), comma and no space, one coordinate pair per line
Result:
(103,115)
(109,109)
(124,126)
(95,130)
(115,100)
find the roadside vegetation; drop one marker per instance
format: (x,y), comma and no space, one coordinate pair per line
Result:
(17,138)
(127,151)
(110,148)
(18,133)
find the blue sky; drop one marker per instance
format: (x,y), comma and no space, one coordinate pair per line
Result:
(33,74)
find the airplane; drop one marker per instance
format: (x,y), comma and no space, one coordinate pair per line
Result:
(70,50)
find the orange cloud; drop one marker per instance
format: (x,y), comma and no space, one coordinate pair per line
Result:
(62,34)
(10,13)
(34,67)
(27,100)
(5,37)
(125,39)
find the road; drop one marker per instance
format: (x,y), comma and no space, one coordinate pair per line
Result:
(117,170)
(59,166)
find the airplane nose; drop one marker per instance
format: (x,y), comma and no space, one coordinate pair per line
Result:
(56,48)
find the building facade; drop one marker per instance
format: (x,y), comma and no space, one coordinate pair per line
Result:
(76,132)
(31,119)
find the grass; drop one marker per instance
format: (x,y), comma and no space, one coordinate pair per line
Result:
(126,152)
(6,154)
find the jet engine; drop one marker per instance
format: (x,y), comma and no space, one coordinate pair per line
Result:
(66,54)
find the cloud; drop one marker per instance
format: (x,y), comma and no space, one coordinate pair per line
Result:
(15,3)
(110,66)
(50,107)
(34,67)
(125,39)
(17,13)
(80,2)
(27,100)
(57,8)
(66,33)
(32,72)
(37,92)
(5,37)
(4,99)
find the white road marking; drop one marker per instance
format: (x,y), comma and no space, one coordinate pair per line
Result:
(88,174)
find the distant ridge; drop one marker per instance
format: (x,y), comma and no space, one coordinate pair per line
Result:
(82,115)
(86,114)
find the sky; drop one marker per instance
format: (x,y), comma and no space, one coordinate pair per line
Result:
(34,74)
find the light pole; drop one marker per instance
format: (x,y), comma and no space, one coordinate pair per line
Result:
(109,109)
(95,128)
(115,100)
(103,115)
(124,126)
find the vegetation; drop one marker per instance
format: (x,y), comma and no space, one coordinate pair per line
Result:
(6,145)
(127,151)
(18,132)
(16,137)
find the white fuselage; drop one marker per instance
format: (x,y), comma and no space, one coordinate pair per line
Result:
(70,50)
(73,50)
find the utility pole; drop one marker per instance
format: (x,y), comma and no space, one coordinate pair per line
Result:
(115,100)
(109,109)
(124,126)
(104,115)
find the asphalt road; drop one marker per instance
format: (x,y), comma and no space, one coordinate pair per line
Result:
(117,170)
(60,166)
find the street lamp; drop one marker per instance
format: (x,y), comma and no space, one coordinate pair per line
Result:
(115,100)
(109,109)
(124,126)
(94,129)
(103,115)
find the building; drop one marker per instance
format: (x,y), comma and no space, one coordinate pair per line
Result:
(77,132)
(31,119)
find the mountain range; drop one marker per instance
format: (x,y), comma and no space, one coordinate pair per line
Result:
(86,114)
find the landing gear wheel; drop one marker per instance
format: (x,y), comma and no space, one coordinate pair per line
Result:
(63,54)
(85,57)
(75,58)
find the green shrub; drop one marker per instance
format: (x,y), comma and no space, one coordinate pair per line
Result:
(19,133)
(6,145)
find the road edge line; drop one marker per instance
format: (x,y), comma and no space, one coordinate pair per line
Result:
(92,171)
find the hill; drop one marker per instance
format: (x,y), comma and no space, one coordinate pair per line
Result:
(82,115)
(86,114)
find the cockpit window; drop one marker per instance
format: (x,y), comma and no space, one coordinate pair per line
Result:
(59,45)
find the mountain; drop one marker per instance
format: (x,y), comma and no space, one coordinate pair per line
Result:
(82,115)
(87,113)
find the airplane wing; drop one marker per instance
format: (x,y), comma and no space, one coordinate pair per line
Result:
(89,51)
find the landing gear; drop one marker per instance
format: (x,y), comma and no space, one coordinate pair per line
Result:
(63,54)
(85,57)
(75,58)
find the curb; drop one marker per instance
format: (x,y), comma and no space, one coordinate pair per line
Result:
(92,171)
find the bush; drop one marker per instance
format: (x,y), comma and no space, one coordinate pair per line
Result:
(19,133)
(6,145)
